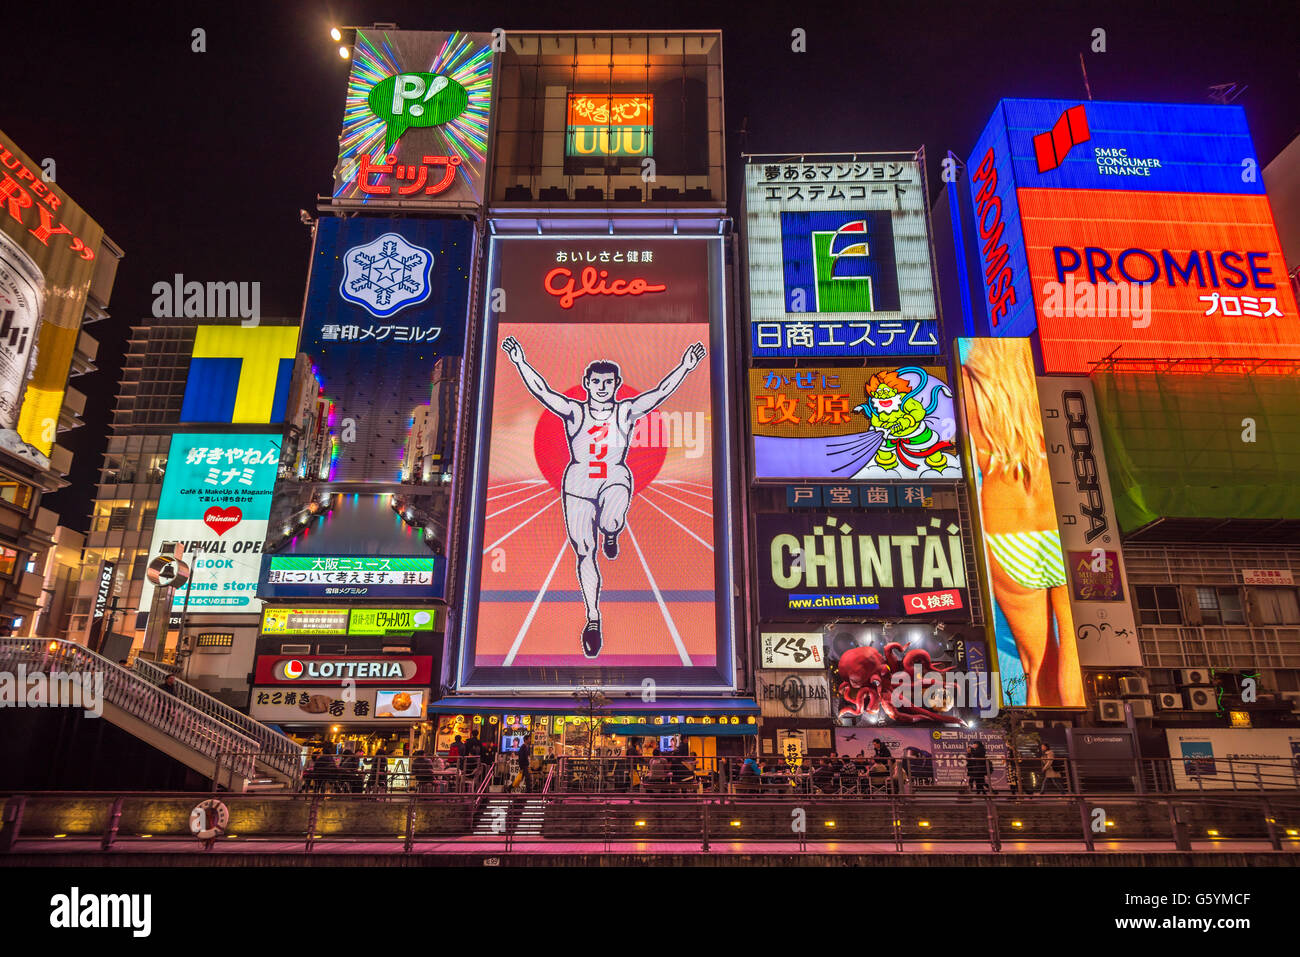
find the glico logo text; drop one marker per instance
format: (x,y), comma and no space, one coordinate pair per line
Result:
(559,282)
(998,277)
(1086,477)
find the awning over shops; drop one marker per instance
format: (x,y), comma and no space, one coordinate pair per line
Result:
(699,730)
(663,707)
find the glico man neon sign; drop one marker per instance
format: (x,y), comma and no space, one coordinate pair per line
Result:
(559,282)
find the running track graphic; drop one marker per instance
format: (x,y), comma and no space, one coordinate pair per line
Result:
(656,598)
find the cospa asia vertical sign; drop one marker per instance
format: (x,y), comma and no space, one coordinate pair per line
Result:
(216,497)
(1090,539)
(599,525)
(416,119)
(839,258)
(48,247)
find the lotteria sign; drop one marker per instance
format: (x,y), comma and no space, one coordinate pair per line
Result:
(1078,207)
(274,669)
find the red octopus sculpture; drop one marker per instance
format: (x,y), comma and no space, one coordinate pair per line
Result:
(868,680)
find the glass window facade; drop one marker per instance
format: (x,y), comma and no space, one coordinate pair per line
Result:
(579,115)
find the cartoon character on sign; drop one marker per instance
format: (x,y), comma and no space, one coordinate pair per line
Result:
(903,430)
(597,485)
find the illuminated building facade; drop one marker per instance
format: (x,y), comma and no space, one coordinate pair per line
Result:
(181,377)
(57,269)
(1132,247)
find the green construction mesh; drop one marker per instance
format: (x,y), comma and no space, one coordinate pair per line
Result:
(1179,445)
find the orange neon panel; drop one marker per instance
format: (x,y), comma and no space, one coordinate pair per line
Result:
(1113,222)
(618,110)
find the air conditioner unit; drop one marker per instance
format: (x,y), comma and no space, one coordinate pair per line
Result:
(1141,707)
(1110,709)
(1031,725)
(1167,701)
(1129,687)
(1201,699)
(1192,677)
(295,649)
(1294,698)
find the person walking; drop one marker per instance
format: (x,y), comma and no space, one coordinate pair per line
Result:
(882,765)
(324,772)
(977,768)
(1051,774)
(350,772)
(473,752)
(422,771)
(378,782)
(524,756)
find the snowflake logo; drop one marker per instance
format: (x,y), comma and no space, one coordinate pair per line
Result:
(386,275)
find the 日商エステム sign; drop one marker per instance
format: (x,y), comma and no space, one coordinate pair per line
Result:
(839,258)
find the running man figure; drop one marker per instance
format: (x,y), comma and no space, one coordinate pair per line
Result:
(597,487)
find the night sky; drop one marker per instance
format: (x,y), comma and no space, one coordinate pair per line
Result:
(198,163)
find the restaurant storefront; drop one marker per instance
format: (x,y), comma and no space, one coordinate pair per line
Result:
(567,728)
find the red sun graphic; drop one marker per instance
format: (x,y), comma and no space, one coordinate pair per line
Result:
(644,458)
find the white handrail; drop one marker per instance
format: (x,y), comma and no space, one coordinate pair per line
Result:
(276,750)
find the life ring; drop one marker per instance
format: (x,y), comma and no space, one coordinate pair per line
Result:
(209,819)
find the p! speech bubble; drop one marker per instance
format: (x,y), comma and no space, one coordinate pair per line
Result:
(416,99)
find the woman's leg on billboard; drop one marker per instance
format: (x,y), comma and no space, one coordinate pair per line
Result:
(1026,612)
(1069,677)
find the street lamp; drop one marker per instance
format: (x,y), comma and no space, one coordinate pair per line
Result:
(336,34)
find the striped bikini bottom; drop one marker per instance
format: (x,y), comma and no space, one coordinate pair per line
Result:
(1032,559)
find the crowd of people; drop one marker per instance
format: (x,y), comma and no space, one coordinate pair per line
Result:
(469,760)
(465,764)
(881,771)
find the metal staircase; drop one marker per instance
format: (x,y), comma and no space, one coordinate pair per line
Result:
(278,756)
(518,817)
(207,736)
